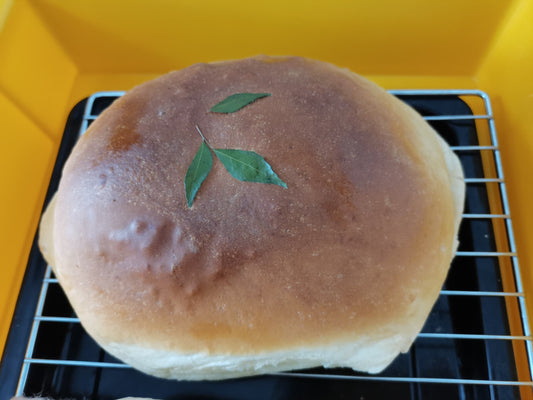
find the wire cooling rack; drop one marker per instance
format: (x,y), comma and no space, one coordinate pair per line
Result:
(476,342)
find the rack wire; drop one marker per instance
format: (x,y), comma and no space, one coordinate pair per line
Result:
(497,295)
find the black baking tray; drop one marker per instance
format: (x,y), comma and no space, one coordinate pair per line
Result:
(461,359)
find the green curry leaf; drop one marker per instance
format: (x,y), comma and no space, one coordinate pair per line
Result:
(248,166)
(197,172)
(236,101)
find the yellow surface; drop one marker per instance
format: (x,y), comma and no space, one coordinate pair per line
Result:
(25,164)
(55,52)
(408,37)
(35,73)
(507,75)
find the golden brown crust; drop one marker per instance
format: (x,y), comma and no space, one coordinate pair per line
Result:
(353,248)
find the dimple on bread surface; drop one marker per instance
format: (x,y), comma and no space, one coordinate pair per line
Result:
(353,251)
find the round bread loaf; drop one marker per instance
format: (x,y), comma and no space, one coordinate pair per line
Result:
(341,268)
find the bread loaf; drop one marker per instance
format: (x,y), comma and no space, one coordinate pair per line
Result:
(341,268)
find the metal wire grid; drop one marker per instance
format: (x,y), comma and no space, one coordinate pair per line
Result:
(518,294)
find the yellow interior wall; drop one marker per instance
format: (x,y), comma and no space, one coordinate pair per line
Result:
(5,7)
(506,74)
(407,37)
(36,77)
(35,72)
(25,163)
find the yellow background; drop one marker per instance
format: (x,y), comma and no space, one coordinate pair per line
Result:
(53,53)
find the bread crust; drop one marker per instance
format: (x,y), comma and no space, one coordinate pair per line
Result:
(351,255)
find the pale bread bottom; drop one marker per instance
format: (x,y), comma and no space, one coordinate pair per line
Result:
(366,355)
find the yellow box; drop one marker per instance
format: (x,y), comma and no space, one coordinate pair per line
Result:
(53,53)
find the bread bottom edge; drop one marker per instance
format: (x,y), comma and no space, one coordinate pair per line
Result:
(367,355)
